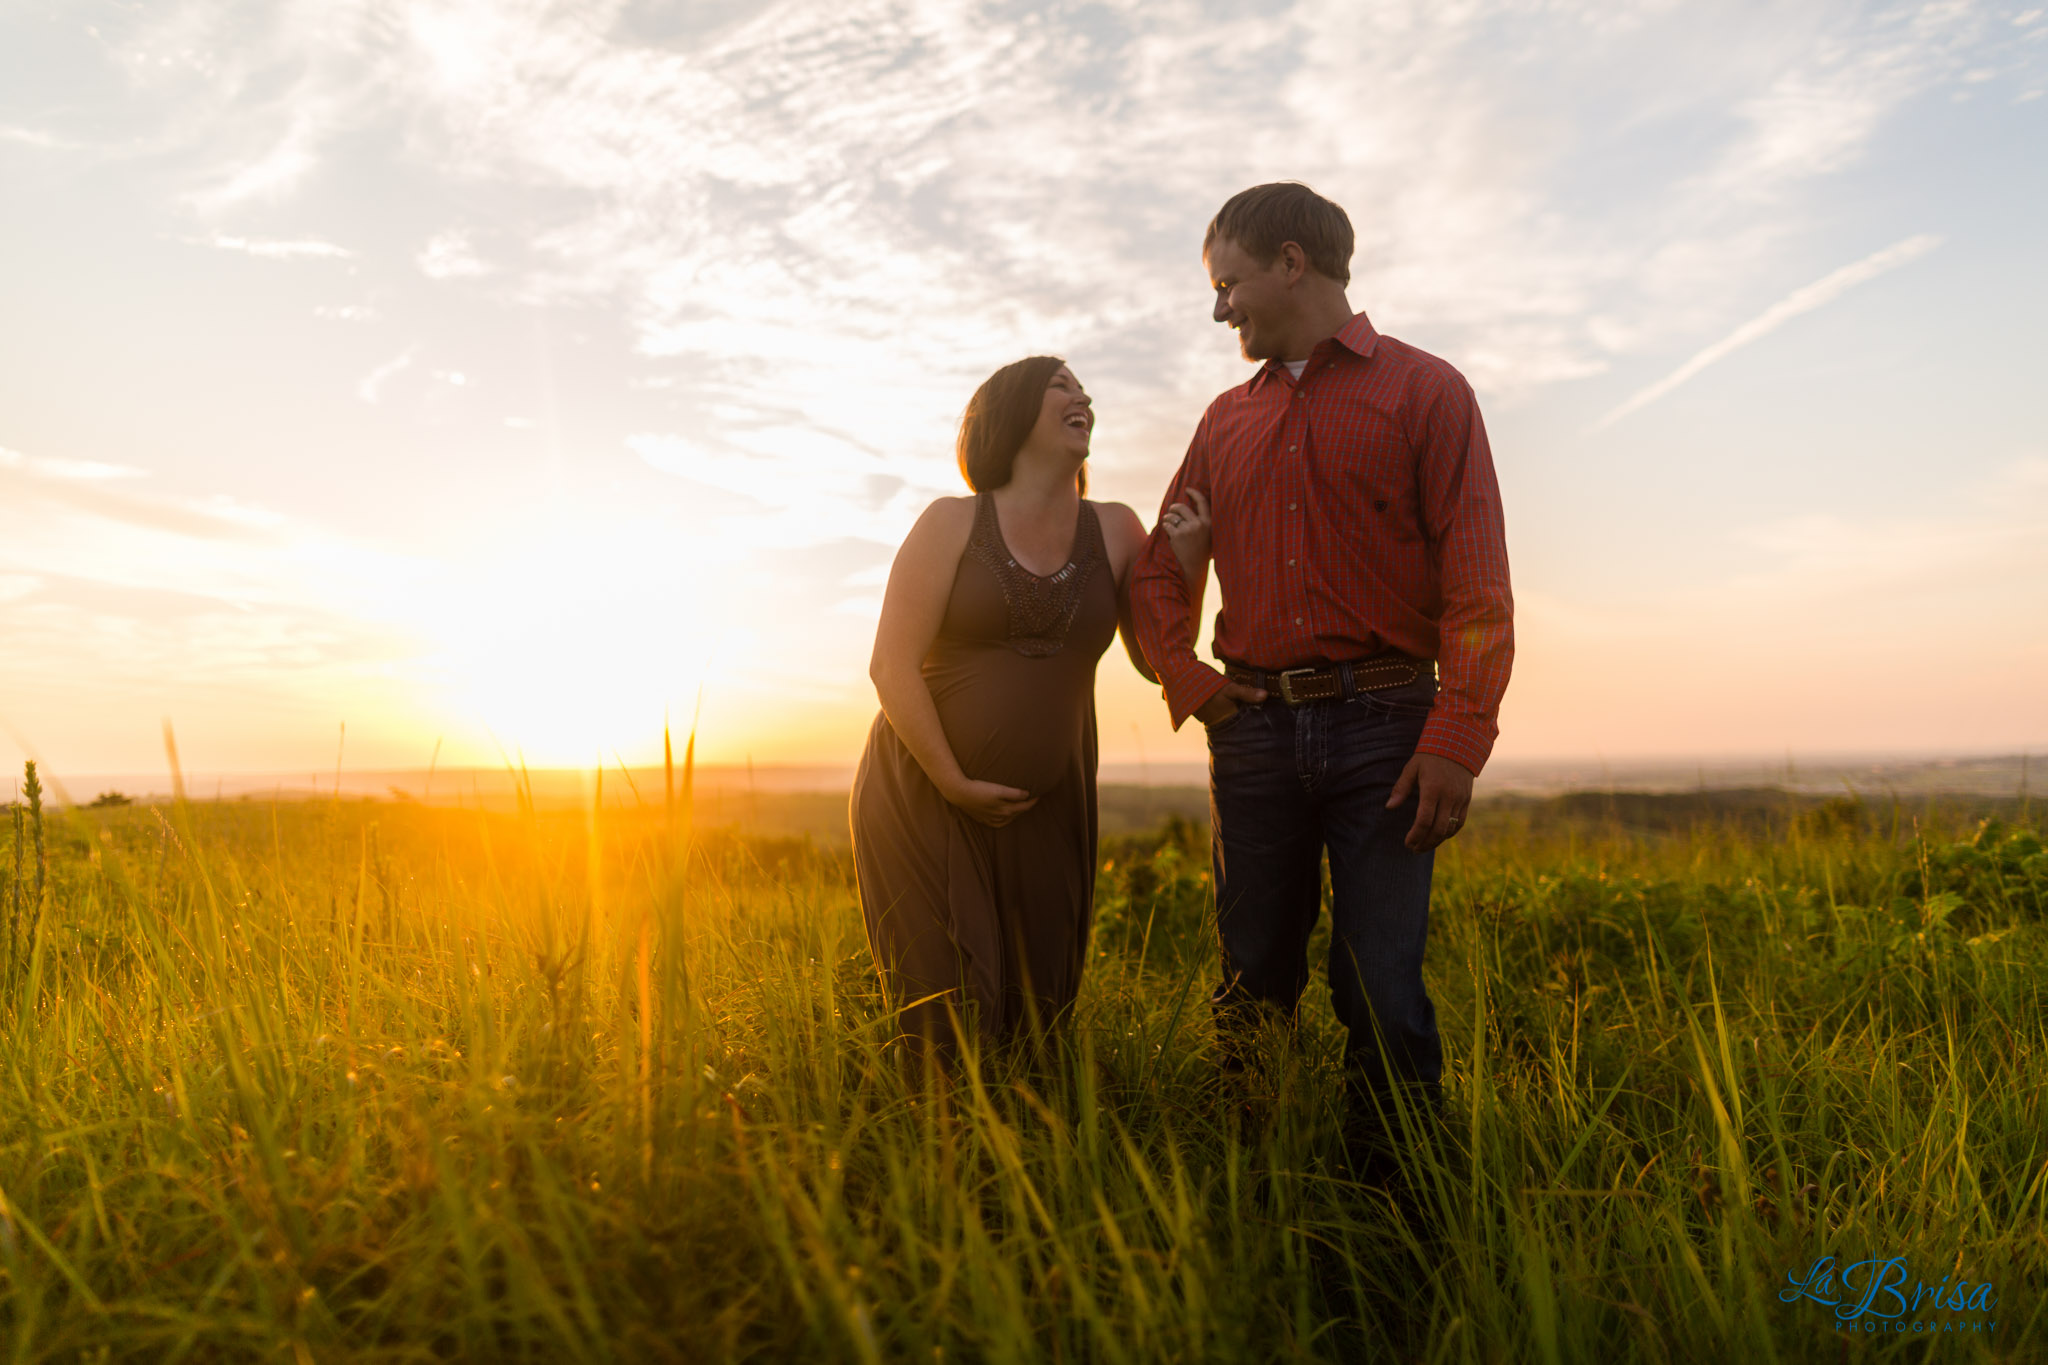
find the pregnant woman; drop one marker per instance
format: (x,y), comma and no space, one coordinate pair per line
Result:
(974,808)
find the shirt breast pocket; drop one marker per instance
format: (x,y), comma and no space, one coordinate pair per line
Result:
(1397,512)
(1374,477)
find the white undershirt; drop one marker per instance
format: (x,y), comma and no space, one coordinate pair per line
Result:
(1295,367)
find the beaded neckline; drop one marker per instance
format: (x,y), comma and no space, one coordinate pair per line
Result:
(1040,608)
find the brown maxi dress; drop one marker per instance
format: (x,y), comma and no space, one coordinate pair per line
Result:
(994,920)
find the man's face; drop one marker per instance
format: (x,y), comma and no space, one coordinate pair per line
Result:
(1252,298)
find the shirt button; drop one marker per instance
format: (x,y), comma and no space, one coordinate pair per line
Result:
(1290,507)
(1297,620)
(1290,563)
(1294,447)
(1301,393)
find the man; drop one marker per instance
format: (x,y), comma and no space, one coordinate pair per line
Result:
(1365,638)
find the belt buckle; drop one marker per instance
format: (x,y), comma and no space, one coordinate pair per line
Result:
(1287,678)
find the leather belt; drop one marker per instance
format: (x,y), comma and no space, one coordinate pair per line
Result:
(1298,686)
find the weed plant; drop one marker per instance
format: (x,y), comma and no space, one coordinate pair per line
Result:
(334,1081)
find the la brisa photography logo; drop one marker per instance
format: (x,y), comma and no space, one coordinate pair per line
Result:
(1882,1294)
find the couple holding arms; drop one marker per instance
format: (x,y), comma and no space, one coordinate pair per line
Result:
(1347,496)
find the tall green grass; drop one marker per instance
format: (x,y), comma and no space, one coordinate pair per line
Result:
(343,1080)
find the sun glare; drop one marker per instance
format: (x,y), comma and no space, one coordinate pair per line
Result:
(573,650)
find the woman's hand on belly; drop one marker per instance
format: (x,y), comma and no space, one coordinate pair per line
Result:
(1009,727)
(990,802)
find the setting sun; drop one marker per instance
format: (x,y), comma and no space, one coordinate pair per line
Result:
(574,643)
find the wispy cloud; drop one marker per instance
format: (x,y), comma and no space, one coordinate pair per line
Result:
(1805,299)
(1820,112)
(273,250)
(810,477)
(83,522)
(449,256)
(37,137)
(370,388)
(785,202)
(45,492)
(56,467)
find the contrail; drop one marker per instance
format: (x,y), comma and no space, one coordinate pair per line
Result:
(1803,300)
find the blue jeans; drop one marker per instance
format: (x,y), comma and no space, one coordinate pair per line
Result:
(1286,783)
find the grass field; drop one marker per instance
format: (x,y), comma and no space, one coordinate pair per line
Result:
(351,1080)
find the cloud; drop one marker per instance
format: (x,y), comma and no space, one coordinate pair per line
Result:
(793,203)
(1821,112)
(47,495)
(302,249)
(824,486)
(53,467)
(370,388)
(277,172)
(62,520)
(36,137)
(449,256)
(1802,300)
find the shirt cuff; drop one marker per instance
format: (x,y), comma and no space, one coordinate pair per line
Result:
(1189,687)
(1465,740)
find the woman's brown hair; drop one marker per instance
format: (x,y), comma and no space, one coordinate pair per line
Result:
(999,419)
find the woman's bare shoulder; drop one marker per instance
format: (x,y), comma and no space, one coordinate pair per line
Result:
(943,526)
(948,510)
(1122,533)
(1118,519)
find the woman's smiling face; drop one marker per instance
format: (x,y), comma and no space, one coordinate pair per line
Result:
(1066,417)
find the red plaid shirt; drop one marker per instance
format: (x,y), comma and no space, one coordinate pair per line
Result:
(1355,511)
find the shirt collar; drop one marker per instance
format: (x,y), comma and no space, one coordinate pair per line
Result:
(1356,336)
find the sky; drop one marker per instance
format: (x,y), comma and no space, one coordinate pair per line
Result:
(503,377)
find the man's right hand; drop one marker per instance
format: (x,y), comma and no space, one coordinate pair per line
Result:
(990,802)
(1225,704)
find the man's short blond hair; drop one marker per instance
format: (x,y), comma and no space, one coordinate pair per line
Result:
(1264,217)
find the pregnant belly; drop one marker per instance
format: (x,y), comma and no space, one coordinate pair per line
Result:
(1013,720)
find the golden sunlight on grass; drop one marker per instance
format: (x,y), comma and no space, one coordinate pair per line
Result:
(347,1080)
